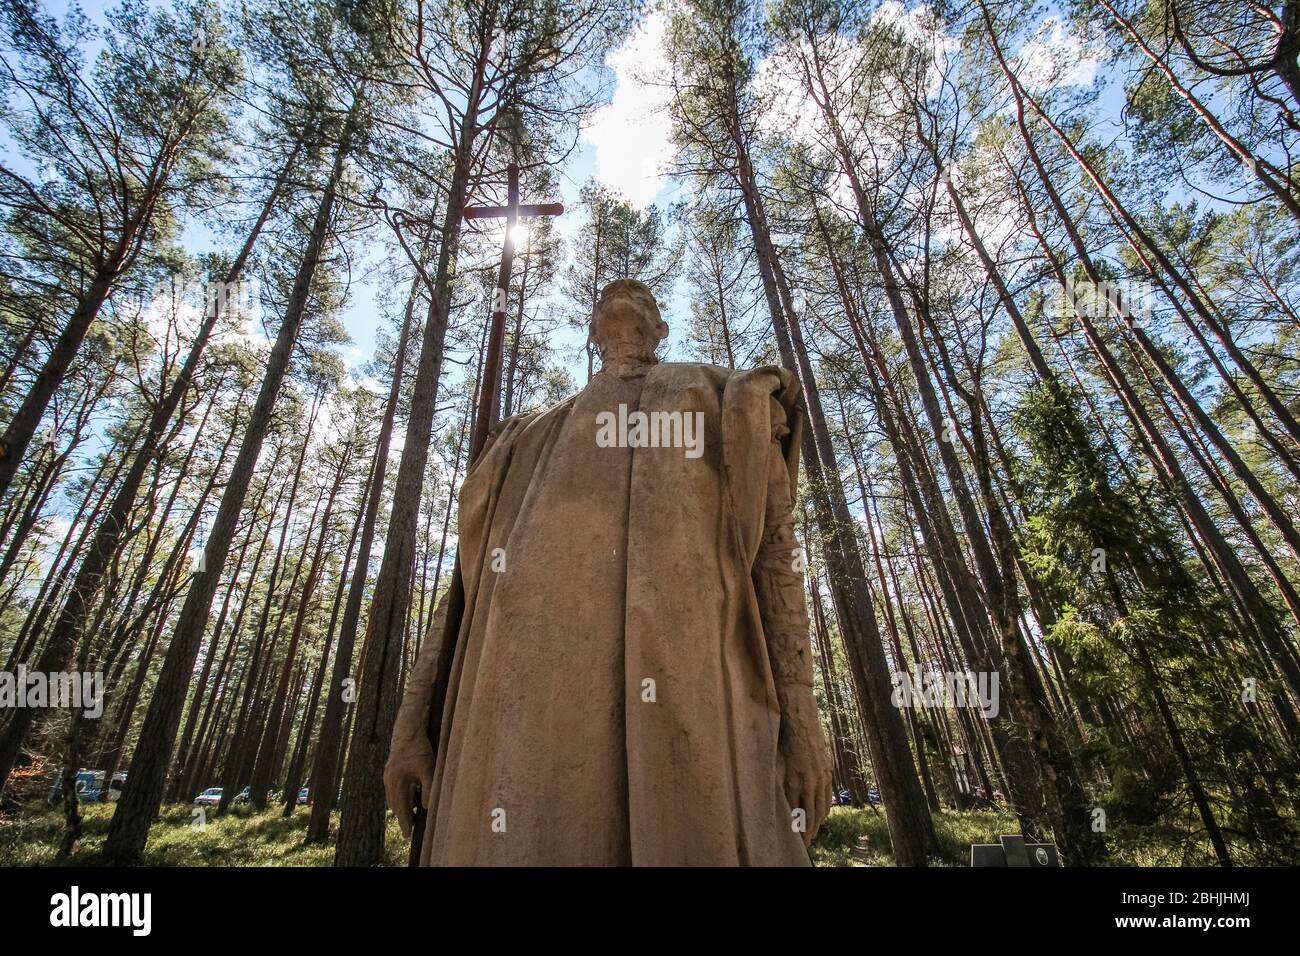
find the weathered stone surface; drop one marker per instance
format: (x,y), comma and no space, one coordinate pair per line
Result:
(627,679)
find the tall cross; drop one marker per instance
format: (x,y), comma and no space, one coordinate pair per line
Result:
(489,395)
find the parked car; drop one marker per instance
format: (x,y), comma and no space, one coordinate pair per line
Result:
(302,795)
(244,795)
(89,783)
(90,786)
(873,795)
(114,791)
(210,797)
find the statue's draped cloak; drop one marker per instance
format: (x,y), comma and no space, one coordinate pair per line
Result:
(607,695)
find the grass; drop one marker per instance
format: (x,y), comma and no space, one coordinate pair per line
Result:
(243,837)
(863,829)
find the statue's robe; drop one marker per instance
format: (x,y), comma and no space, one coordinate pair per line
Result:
(605,695)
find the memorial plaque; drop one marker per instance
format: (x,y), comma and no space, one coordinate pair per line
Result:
(1012,850)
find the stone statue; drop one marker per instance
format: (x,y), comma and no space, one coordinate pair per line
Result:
(624,673)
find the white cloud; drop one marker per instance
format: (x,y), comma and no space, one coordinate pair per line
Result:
(352,358)
(371,385)
(790,110)
(630,134)
(1055,58)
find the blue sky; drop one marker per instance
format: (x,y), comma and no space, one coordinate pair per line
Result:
(624,145)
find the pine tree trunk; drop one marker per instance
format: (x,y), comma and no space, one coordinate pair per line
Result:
(361,829)
(129,828)
(325,776)
(262,775)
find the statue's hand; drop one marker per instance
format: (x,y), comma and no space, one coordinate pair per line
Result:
(408,776)
(807,781)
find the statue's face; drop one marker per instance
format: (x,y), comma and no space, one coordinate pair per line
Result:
(627,315)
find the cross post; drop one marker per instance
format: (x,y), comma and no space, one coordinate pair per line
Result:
(489,395)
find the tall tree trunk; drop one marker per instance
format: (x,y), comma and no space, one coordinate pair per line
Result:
(910,825)
(361,830)
(129,829)
(262,767)
(71,621)
(325,776)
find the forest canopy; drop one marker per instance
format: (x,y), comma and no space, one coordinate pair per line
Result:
(1034,267)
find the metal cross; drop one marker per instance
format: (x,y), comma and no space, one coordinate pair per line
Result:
(489,396)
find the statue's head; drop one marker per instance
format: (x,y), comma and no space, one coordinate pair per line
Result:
(626,321)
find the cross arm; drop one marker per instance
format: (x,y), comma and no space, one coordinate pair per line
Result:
(526,211)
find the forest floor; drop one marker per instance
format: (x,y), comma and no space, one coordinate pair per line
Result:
(849,837)
(30,837)
(858,836)
(243,837)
